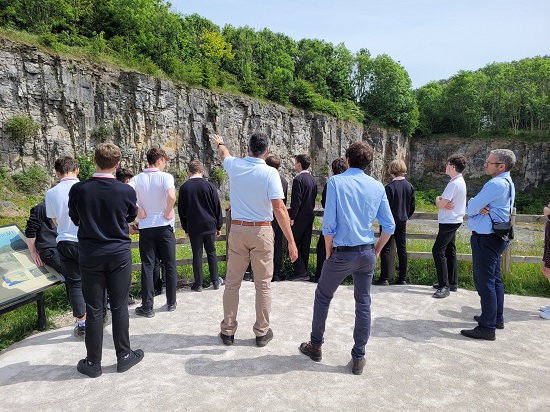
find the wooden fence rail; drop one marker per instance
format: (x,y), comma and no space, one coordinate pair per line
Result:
(507,257)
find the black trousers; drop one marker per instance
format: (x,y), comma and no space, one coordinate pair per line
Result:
(208,242)
(301,230)
(400,236)
(51,258)
(114,277)
(321,255)
(444,253)
(157,243)
(70,268)
(277,248)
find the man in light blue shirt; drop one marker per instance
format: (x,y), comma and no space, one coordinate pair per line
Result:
(256,194)
(493,203)
(354,201)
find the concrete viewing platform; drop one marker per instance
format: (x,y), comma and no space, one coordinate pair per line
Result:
(416,358)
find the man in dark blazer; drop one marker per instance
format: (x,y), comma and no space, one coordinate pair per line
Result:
(302,203)
(201,217)
(275,162)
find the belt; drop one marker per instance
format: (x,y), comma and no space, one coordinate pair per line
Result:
(243,223)
(359,248)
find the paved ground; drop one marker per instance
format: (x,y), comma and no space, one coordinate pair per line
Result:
(416,359)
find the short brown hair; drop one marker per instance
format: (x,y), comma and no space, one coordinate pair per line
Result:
(122,174)
(106,155)
(359,155)
(397,168)
(154,154)
(195,166)
(304,160)
(65,164)
(273,161)
(339,166)
(458,161)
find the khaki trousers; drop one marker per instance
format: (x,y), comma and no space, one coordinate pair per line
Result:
(248,244)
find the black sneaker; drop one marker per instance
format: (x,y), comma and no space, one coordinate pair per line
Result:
(93,370)
(217,284)
(227,339)
(197,288)
(261,341)
(314,352)
(141,311)
(441,293)
(172,307)
(453,288)
(277,278)
(296,278)
(126,362)
(498,325)
(79,332)
(314,279)
(381,282)
(247,276)
(401,282)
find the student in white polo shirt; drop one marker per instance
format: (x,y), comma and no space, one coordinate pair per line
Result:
(156,195)
(452,207)
(57,209)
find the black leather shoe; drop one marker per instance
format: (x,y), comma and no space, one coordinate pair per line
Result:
(227,339)
(172,307)
(197,288)
(93,370)
(357,365)
(276,278)
(441,293)
(247,276)
(141,311)
(436,286)
(126,362)
(303,276)
(499,325)
(381,282)
(314,352)
(401,282)
(261,341)
(453,288)
(478,333)
(314,279)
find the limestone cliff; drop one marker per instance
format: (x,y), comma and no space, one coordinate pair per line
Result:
(79,103)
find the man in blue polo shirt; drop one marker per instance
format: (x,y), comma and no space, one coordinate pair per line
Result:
(493,203)
(256,194)
(354,200)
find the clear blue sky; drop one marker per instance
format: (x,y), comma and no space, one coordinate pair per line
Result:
(432,39)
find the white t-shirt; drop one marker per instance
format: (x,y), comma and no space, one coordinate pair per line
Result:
(151,186)
(455,192)
(57,207)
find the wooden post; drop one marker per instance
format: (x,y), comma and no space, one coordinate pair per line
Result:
(507,255)
(393,253)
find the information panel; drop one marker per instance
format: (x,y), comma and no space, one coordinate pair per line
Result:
(19,275)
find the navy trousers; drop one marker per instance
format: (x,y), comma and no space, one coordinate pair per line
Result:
(336,268)
(486,252)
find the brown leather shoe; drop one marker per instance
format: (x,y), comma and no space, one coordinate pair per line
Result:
(314,352)
(357,365)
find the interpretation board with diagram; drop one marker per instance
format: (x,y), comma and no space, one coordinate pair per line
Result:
(19,275)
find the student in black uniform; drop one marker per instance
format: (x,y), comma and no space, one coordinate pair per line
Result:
(201,218)
(302,203)
(102,207)
(275,162)
(41,234)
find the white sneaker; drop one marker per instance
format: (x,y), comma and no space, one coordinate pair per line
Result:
(545,314)
(544,308)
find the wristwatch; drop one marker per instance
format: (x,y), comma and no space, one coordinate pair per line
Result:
(221,144)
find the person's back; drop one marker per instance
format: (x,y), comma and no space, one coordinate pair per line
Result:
(102,207)
(402,200)
(151,186)
(103,235)
(201,218)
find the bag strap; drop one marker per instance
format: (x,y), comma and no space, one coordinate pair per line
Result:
(511,205)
